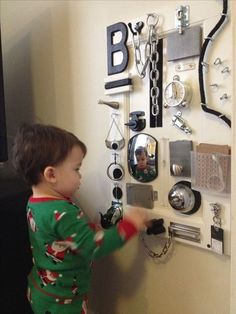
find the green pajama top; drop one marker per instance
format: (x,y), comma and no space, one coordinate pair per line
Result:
(145,175)
(64,245)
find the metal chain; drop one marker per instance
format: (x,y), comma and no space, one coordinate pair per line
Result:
(216,209)
(154,74)
(138,56)
(153,254)
(152,20)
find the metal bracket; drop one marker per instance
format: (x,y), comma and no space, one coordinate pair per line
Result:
(185,66)
(181,17)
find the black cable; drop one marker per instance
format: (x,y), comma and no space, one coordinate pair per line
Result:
(201,65)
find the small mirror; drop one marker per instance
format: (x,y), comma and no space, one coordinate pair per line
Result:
(142,157)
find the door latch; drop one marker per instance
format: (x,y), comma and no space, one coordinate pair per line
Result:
(180,123)
(181,17)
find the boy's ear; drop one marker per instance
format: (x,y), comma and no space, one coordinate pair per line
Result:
(49,174)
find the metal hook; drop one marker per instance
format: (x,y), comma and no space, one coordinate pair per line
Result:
(217,61)
(214,86)
(224,96)
(138,28)
(225,70)
(131,29)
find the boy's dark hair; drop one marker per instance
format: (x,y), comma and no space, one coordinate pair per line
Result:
(37,146)
(140,150)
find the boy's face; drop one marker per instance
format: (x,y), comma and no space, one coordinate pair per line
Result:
(142,161)
(68,173)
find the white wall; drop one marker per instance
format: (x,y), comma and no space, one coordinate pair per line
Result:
(54,64)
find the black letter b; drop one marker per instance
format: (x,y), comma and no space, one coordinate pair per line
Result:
(120,46)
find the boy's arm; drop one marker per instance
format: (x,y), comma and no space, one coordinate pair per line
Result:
(114,238)
(93,242)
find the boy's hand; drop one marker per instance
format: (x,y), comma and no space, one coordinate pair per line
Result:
(138,216)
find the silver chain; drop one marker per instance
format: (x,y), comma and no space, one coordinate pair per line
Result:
(151,56)
(154,74)
(152,20)
(141,68)
(153,254)
(216,209)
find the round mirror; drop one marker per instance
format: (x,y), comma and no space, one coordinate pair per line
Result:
(142,157)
